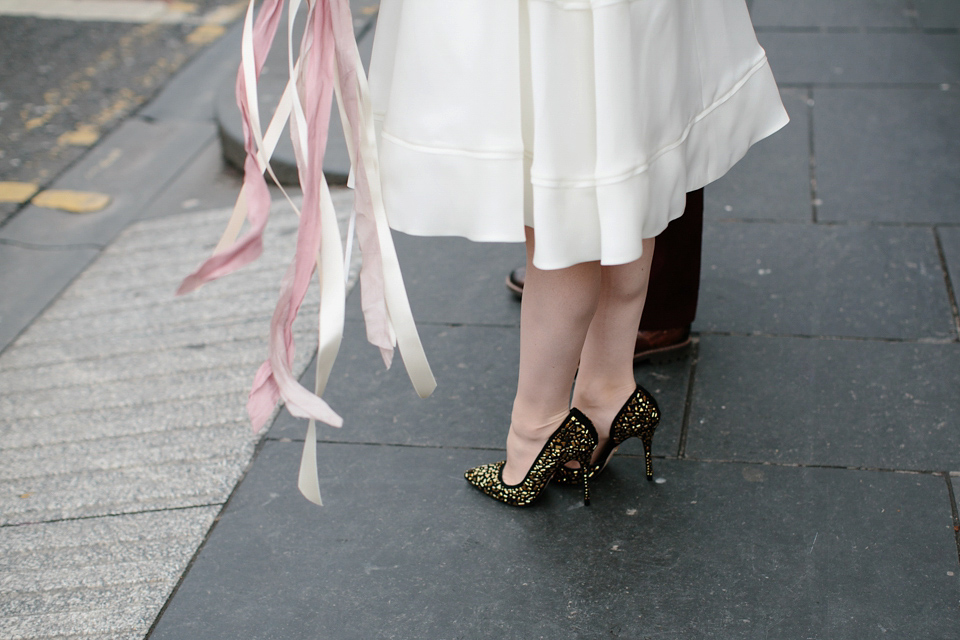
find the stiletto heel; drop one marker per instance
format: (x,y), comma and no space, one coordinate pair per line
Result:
(648,454)
(575,439)
(638,418)
(584,462)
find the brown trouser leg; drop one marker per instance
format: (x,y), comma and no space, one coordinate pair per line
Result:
(675,274)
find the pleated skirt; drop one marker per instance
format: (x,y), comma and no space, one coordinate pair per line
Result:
(588,120)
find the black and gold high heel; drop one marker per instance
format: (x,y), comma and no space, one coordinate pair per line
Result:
(575,439)
(638,418)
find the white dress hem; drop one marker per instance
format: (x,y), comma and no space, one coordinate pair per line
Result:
(744,114)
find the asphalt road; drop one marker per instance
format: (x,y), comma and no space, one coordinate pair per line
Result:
(66,81)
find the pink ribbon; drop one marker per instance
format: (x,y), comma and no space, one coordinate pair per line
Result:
(328,60)
(250,246)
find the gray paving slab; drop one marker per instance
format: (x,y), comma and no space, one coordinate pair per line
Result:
(773,181)
(130,303)
(134,489)
(863,58)
(832,13)
(158,267)
(105,576)
(145,367)
(26,356)
(138,367)
(190,94)
(476,371)
(30,279)
(172,417)
(80,543)
(7,209)
(138,153)
(818,280)
(955,481)
(205,184)
(161,232)
(99,296)
(76,544)
(157,270)
(184,311)
(826,402)
(133,450)
(61,624)
(950,241)
(167,244)
(900,163)
(90,599)
(406,549)
(158,231)
(479,270)
(123,393)
(938,14)
(23,579)
(143,431)
(47,334)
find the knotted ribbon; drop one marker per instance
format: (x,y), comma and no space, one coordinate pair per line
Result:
(328,63)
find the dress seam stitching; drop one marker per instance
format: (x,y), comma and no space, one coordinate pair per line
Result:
(584,5)
(494,154)
(635,171)
(595,181)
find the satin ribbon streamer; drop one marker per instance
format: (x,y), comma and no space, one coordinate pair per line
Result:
(328,62)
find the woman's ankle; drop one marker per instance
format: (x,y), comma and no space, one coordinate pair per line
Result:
(601,403)
(525,440)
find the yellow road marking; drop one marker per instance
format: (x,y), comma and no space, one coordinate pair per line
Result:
(110,160)
(206,33)
(82,136)
(226,14)
(56,101)
(72,201)
(18,192)
(182,7)
(103,165)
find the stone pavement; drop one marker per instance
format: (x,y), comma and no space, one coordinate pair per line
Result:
(807,466)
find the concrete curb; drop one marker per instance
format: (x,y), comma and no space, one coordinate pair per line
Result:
(273,79)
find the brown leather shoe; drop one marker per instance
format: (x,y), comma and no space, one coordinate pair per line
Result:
(515,281)
(659,347)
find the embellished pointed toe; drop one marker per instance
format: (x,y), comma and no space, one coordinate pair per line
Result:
(575,439)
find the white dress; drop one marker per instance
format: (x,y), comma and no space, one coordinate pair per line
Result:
(588,120)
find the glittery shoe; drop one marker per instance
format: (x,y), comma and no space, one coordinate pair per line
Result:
(575,439)
(638,418)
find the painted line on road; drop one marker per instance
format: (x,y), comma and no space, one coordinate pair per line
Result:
(17,192)
(72,201)
(88,132)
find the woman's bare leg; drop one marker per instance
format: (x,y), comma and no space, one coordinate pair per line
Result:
(557,309)
(605,380)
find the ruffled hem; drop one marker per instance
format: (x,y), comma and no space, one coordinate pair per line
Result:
(588,121)
(491,184)
(713,143)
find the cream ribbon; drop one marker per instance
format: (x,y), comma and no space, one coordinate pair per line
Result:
(331,263)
